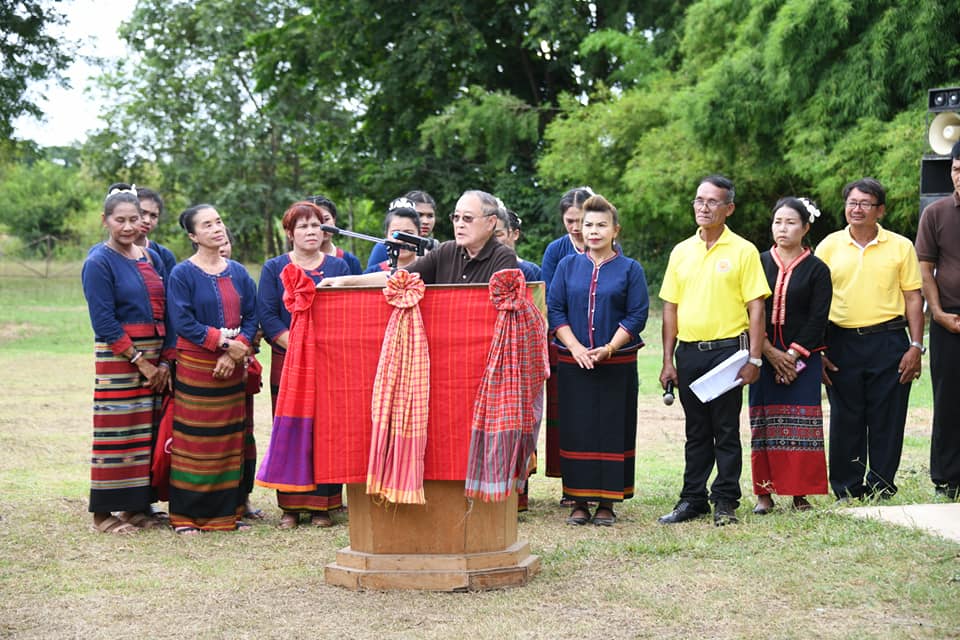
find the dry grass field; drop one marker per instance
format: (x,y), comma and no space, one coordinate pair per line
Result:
(786,575)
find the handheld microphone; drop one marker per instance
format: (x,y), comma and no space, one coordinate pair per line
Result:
(327,228)
(668,394)
(422,244)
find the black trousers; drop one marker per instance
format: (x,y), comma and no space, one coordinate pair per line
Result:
(868,410)
(945,439)
(712,430)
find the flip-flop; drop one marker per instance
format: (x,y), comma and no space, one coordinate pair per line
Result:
(243,526)
(255,514)
(289,521)
(579,520)
(188,531)
(115,525)
(604,521)
(139,520)
(318,520)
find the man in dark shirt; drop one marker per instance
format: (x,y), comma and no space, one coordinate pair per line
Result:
(470,258)
(938,248)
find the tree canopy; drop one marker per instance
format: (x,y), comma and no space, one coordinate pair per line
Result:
(253,104)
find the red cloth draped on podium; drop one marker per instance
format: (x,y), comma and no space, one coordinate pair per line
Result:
(401,393)
(505,417)
(336,342)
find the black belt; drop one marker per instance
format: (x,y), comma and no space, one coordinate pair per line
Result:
(890,325)
(710,345)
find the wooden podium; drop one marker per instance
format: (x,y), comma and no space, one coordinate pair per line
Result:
(445,545)
(449,543)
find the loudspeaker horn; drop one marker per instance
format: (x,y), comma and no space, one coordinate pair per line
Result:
(944,132)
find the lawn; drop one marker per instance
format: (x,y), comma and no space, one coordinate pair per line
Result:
(786,575)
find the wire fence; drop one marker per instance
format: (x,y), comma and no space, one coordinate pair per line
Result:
(45,264)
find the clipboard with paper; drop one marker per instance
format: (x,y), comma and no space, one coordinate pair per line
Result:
(721,378)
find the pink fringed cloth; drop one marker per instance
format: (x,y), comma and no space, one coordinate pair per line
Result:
(401,397)
(288,464)
(505,415)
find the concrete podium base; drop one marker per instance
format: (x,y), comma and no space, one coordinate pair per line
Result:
(447,544)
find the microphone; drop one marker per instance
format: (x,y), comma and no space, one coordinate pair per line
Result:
(668,394)
(327,228)
(422,244)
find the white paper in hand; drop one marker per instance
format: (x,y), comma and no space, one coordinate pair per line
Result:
(721,378)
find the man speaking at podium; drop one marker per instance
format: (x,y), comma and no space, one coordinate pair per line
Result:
(471,258)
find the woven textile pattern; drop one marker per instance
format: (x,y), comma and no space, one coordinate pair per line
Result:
(401,396)
(505,415)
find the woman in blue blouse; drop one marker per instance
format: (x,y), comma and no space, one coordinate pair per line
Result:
(302,223)
(598,304)
(123,285)
(212,303)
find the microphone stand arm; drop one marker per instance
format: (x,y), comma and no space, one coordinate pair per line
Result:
(393,246)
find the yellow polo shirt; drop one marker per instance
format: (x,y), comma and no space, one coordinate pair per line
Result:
(868,282)
(711,288)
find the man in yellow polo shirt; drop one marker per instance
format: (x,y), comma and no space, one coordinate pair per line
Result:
(713,293)
(870,361)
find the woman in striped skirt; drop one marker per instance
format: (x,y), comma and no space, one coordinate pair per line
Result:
(123,285)
(212,303)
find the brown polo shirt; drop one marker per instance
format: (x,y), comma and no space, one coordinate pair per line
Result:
(450,264)
(938,241)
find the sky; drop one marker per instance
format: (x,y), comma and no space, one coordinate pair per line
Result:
(70,113)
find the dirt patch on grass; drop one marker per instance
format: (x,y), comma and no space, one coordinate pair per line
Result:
(10,331)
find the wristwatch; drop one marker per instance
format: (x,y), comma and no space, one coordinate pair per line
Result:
(919,345)
(793,353)
(757,362)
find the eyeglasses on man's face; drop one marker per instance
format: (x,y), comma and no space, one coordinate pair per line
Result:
(860,204)
(700,203)
(466,218)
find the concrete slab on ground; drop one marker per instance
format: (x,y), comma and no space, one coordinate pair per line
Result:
(940,519)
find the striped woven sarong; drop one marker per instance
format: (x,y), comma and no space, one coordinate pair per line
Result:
(401,397)
(506,412)
(207,452)
(124,414)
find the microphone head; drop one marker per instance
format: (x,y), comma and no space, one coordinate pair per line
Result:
(668,397)
(327,228)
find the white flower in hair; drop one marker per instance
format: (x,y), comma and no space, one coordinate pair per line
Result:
(812,208)
(500,203)
(588,190)
(114,191)
(402,203)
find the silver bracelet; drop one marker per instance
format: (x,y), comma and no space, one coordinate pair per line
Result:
(136,356)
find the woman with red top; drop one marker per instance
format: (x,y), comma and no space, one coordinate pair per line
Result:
(786,420)
(212,303)
(123,285)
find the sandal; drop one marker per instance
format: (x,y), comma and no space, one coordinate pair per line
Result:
(800,503)
(243,526)
(113,524)
(321,520)
(187,531)
(289,520)
(158,514)
(139,519)
(581,519)
(255,514)
(604,520)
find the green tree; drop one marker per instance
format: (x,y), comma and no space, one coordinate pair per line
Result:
(187,108)
(784,96)
(28,54)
